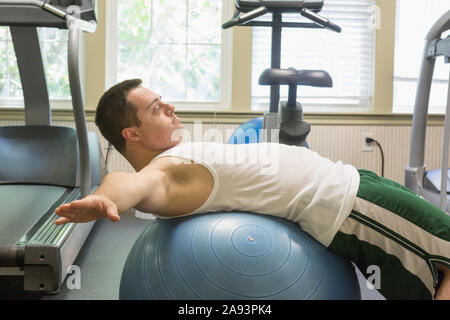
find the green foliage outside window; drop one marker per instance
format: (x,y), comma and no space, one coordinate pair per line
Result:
(174,46)
(54,52)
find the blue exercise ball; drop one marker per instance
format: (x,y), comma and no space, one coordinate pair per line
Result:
(231,256)
(249,132)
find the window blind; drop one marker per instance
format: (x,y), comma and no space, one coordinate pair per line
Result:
(414,19)
(347,56)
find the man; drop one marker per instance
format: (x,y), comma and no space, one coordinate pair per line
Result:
(356,214)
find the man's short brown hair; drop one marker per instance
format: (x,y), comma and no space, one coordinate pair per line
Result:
(115,112)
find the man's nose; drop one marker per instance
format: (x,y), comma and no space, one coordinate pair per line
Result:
(170,109)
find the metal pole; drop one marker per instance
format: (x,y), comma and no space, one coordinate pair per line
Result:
(444,170)
(78,110)
(276,58)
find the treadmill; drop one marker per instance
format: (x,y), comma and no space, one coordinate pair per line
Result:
(41,165)
(433,185)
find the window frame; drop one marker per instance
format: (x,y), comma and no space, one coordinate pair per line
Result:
(226,60)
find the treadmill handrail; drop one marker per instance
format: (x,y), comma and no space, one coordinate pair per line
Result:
(444,170)
(441,25)
(417,150)
(421,105)
(78,110)
(70,17)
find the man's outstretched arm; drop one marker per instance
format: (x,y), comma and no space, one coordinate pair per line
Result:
(146,190)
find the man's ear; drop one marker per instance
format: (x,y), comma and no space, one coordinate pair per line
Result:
(130,135)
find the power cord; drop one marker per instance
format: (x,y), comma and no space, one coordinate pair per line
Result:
(107,154)
(369,141)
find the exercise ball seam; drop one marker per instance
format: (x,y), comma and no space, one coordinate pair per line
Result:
(147,286)
(163,284)
(198,296)
(317,287)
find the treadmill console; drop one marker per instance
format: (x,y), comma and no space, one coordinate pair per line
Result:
(26,15)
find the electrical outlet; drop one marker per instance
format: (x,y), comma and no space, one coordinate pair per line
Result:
(367,147)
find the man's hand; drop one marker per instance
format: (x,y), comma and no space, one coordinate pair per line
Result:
(90,208)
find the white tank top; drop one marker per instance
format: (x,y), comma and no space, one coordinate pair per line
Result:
(291,182)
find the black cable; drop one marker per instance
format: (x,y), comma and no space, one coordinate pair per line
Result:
(107,154)
(370,140)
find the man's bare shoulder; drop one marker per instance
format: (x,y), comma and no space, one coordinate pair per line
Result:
(190,183)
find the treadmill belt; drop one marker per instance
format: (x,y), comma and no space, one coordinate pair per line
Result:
(21,206)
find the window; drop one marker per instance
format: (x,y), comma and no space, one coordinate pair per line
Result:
(347,56)
(54,51)
(414,20)
(177,48)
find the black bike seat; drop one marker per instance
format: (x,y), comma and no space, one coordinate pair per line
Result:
(314,78)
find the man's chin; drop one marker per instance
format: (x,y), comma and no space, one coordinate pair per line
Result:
(176,142)
(178,135)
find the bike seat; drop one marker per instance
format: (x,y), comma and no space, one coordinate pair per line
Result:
(291,76)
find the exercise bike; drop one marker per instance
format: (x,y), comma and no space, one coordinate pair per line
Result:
(283,122)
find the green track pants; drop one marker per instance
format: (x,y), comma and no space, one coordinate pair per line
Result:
(394,231)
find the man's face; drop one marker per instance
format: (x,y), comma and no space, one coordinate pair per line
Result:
(158,120)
